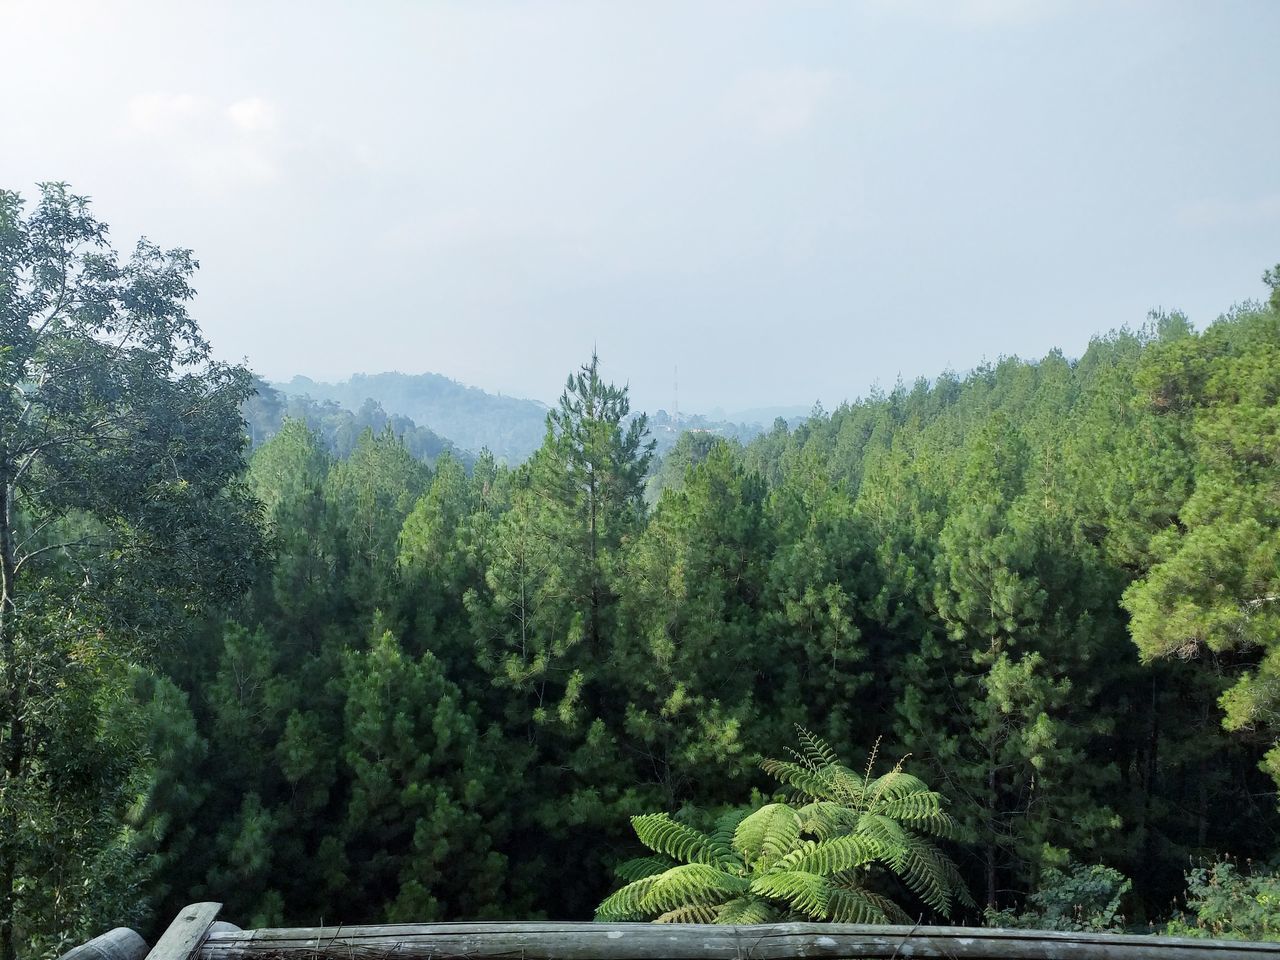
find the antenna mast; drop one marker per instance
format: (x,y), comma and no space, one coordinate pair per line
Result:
(675,397)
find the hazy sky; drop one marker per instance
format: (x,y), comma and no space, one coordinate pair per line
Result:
(790,201)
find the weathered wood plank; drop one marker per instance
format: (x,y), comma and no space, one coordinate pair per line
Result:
(118,944)
(186,933)
(643,941)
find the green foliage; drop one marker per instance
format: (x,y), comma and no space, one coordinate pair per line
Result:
(818,861)
(1225,903)
(122,514)
(339,428)
(456,681)
(1083,898)
(1215,584)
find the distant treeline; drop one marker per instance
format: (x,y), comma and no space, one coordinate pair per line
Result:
(338,427)
(428,404)
(508,427)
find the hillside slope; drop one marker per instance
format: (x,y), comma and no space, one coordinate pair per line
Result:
(511,428)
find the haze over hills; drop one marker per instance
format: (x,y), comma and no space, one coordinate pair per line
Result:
(339,428)
(473,419)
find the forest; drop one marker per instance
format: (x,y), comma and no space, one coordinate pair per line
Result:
(361,682)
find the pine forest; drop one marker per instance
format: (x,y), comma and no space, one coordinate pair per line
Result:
(970,648)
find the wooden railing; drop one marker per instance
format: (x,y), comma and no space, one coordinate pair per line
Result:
(196,934)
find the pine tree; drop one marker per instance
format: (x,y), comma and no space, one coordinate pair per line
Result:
(691,650)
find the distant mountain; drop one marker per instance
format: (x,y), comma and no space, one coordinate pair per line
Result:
(472,418)
(339,427)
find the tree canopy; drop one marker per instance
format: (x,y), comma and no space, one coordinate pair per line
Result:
(368,677)
(122,510)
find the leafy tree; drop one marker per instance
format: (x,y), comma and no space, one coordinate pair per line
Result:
(120,510)
(1214,588)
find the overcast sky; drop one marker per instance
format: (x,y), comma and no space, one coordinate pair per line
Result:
(789,201)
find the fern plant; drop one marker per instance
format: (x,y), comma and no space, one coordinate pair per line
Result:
(812,858)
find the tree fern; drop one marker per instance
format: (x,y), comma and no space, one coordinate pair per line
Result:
(897,811)
(817,860)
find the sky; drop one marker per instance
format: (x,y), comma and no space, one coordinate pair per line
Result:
(751,203)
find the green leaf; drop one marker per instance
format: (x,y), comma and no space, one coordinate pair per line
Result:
(661,834)
(641,867)
(767,834)
(625,904)
(805,892)
(834,856)
(691,884)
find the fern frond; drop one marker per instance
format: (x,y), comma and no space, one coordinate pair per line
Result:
(830,782)
(806,892)
(816,751)
(889,833)
(913,806)
(894,785)
(722,837)
(767,834)
(923,868)
(843,785)
(959,888)
(807,782)
(624,904)
(641,867)
(833,856)
(694,913)
(691,884)
(857,905)
(943,826)
(661,834)
(826,818)
(871,763)
(747,910)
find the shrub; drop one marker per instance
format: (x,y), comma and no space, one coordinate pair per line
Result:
(1225,903)
(1081,898)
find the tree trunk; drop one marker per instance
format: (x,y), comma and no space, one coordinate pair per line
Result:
(593,627)
(992,802)
(11,754)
